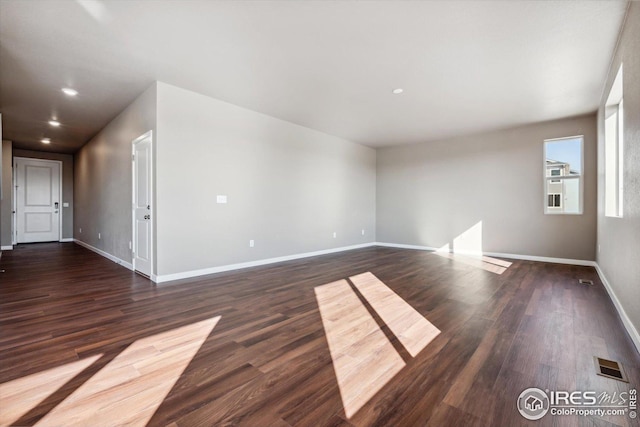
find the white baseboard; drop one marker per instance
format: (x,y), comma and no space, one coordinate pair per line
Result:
(403,246)
(633,332)
(583,262)
(6,248)
(499,255)
(67,239)
(104,254)
(212,270)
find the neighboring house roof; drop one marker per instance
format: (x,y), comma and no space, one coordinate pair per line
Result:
(552,163)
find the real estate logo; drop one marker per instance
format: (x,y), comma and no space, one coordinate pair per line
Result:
(533,403)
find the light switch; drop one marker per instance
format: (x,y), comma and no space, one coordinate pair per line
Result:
(221,199)
(65,204)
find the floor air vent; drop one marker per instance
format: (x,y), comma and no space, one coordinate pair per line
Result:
(586,282)
(610,369)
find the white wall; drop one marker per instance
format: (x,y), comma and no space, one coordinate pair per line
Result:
(430,194)
(619,238)
(102,179)
(288,187)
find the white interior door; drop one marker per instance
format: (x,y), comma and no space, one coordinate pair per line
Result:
(142,205)
(37,200)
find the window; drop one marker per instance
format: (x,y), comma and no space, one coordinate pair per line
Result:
(613,148)
(555,172)
(563,175)
(554,200)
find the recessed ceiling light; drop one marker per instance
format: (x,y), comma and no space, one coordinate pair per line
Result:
(45,141)
(398,91)
(54,123)
(69,91)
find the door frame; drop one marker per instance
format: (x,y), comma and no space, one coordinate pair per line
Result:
(14,194)
(144,136)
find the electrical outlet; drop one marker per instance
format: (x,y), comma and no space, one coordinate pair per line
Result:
(335,234)
(251,243)
(363,231)
(130,245)
(99,236)
(80,230)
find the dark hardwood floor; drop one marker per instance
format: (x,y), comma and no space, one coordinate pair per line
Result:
(267,360)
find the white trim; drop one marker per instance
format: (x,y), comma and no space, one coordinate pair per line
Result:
(633,332)
(565,137)
(499,255)
(212,270)
(583,262)
(104,254)
(6,248)
(403,246)
(67,239)
(549,210)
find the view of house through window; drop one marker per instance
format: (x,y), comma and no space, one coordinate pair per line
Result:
(563,175)
(613,148)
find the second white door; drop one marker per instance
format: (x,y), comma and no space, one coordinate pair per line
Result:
(142,200)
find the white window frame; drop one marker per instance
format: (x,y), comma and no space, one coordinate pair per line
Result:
(555,210)
(614,149)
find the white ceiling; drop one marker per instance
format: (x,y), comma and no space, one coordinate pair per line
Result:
(465,66)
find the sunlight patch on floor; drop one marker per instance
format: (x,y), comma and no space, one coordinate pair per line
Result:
(413,331)
(493,265)
(19,396)
(467,249)
(364,359)
(132,386)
